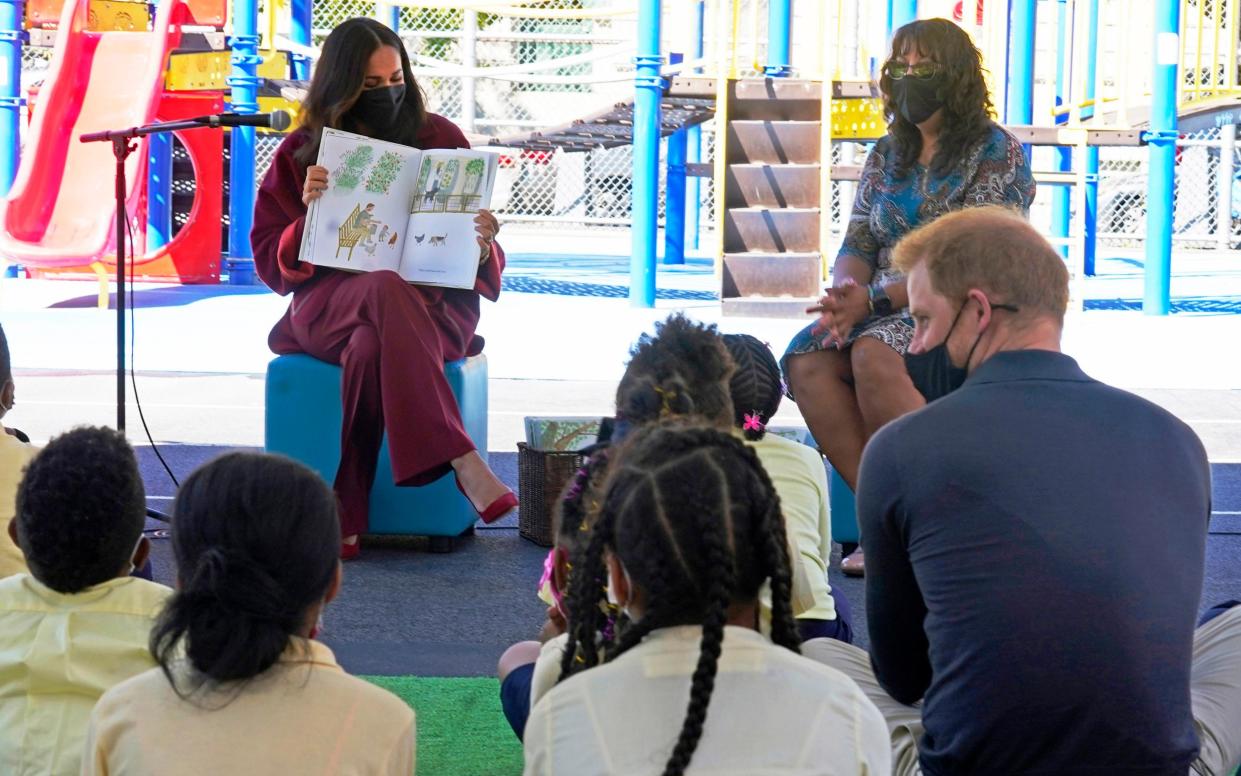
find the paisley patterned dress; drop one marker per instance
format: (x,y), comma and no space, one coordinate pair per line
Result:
(994,172)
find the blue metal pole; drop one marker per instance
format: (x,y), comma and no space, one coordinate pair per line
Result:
(1162,140)
(779,20)
(1091,215)
(693,187)
(1019,107)
(11,38)
(1060,198)
(244,83)
(301,22)
(159,190)
(675,194)
(648,91)
(900,13)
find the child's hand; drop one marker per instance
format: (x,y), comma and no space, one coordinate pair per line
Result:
(316,184)
(554,626)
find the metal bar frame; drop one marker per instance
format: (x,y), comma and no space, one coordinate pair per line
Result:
(1162,165)
(648,93)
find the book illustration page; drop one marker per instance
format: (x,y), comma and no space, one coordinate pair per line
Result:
(450,184)
(442,245)
(363,213)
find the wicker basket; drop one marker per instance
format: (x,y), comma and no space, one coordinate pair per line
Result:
(541,477)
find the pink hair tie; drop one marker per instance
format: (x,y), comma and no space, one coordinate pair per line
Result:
(753,421)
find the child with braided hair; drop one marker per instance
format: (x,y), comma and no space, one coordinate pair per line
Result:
(688,529)
(800,478)
(681,369)
(528,669)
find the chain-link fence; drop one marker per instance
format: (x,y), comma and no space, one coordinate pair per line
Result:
(502,74)
(1207,197)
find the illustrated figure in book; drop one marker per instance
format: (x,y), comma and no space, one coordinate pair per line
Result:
(387,334)
(356,227)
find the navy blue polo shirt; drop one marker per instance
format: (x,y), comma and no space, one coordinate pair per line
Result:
(1034,559)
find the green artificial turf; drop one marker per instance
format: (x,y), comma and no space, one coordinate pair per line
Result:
(461,730)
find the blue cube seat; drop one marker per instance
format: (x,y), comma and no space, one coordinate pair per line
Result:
(303,422)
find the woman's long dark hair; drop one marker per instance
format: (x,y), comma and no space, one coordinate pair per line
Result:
(967,105)
(694,518)
(337,82)
(256,539)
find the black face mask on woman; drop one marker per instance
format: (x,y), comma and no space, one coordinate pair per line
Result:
(933,373)
(379,108)
(917,99)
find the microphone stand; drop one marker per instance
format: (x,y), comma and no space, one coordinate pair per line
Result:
(122,147)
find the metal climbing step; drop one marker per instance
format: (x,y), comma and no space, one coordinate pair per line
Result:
(773,142)
(771,230)
(773,186)
(769,285)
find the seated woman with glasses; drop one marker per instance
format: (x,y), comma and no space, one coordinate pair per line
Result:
(943,152)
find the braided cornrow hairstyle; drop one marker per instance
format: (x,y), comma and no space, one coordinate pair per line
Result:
(756,387)
(694,518)
(682,370)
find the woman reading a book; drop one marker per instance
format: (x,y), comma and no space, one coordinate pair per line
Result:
(390,337)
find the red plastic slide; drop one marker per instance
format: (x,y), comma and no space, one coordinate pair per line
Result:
(60,212)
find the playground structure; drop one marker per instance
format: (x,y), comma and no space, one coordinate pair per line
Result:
(1075,74)
(115,65)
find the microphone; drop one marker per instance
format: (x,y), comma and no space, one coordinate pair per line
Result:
(278,120)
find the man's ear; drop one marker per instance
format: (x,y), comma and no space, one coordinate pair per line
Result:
(983,305)
(13,532)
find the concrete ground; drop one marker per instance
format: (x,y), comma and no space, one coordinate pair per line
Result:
(557,343)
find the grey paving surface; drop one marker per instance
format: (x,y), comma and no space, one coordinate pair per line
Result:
(404,610)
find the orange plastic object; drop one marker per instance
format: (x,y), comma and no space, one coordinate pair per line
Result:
(59,212)
(208,12)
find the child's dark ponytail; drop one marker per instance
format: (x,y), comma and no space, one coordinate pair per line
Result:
(256,540)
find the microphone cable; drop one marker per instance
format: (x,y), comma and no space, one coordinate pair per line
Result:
(133,376)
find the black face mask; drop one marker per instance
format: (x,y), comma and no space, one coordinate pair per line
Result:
(933,373)
(916,98)
(379,108)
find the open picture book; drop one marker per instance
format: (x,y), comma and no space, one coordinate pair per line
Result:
(389,206)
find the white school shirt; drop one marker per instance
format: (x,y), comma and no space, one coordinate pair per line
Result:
(772,712)
(800,480)
(302,716)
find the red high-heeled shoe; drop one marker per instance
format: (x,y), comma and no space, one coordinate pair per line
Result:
(350,551)
(496,509)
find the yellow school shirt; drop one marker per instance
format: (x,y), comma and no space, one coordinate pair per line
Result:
(14,455)
(302,716)
(800,480)
(58,653)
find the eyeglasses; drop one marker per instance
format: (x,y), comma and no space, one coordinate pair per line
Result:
(923,71)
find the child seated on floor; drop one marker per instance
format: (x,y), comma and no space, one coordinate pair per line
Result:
(680,370)
(15,453)
(687,531)
(256,539)
(528,669)
(800,479)
(78,623)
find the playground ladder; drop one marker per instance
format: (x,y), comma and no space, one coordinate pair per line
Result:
(771,261)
